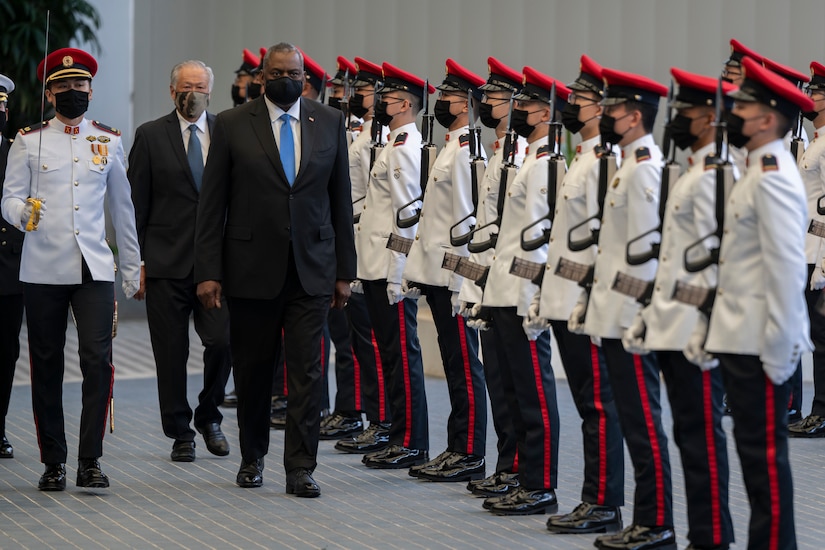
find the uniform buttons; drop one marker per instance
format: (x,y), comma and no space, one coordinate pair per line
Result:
(365,207)
(676,207)
(291,196)
(45,167)
(77,207)
(565,197)
(552,239)
(77,231)
(76,183)
(658,289)
(435,178)
(726,231)
(359,227)
(547,268)
(76,159)
(720,292)
(416,237)
(721,262)
(595,279)
(612,203)
(3,229)
(664,258)
(4,243)
(494,257)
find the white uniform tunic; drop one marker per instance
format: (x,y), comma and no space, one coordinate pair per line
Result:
(812,170)
(359,166)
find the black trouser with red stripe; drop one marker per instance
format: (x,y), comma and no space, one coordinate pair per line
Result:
(589,384)
(396,331)
(696,403)
(635,383)
(369,382)
(458,344)
(344,362)
(507,442)
(760,419)
(11,319)
(818,338)
(530,387)
(279,377)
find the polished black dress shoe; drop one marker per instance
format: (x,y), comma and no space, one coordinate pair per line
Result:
(6,450)
(230,399)
(375,438)
(587,518)
(810,427)
(216,442)
(397,457)
(183,451)
(639,537)
(434,463)
(277,412)
(499,484)
(90,475)
(340,425)
(718,547)
(523,502)
(53,479)
(489,502)
(458,467)
(299,482)
(251,474)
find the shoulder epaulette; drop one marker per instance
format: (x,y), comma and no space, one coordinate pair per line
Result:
(105,128)
(463,140)
(642,154)
(400,139)
(710,162)
(34,128)
(358,128)
(600,151)
(543,151)
(770,163)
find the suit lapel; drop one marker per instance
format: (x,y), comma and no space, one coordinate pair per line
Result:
(262,126)
(176,140)
(307,136)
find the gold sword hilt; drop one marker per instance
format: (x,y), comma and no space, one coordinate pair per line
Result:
(34,218)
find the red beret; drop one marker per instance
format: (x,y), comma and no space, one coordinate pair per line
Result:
(739,51)
(590,76)
(788,73)
(502,78)
(696,90)
(397,79)
(344,67)
(621,87)
(67,63)
(537,87)
(817,76)
(459,79)
(250,62)
(768,88)
(367,72)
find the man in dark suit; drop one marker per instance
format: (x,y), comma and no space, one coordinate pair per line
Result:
(165,170)
(274,233)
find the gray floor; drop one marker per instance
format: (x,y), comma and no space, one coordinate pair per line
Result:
(154,503)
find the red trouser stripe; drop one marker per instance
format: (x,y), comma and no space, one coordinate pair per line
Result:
(356,366)
(379,369)
(545,415)
(406,369)
(713,467)
(468,381)
(770,460)
(111,388)
(654,440)
(599,406)
(515,462)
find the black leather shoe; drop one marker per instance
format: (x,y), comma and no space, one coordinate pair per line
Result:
(524,502)
(375,438)
(489,502)
(458,467)
(639,537)
(183,451)
(340,425)
(434,463)
(230,399)
(397,457)
(279,403)
(811,426)
(251,474)
(718,547)
(90,475)
(499,484)
(216,442)
(6,450)
(299,482)
(587,518)
(53,479)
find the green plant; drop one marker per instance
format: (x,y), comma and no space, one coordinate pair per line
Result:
(22,46)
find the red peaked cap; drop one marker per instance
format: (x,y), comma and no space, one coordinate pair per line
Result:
(315,73)
(621,87)
(460,79)
(397,79)
(739,51)
(67,63)
(367,73)
(697,90)
(590,76)
(817,76)
(343,64)
(768,88)
(262,51)
(537,87)
(788,73)
(250,62)
(502,78)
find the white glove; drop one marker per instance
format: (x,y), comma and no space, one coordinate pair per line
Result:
(596,341)
(130,288)
(533,319)
(394,293)
(411,292)
(633,338)
(26,213)
(778,373)
(695,349)
(456,303)
(532,332)
(817,279)
(356,286)
(465,309)
(575,323)
(473,320)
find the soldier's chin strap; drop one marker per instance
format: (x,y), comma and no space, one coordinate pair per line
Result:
(36,202)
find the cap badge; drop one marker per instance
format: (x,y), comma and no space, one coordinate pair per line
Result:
(68,61)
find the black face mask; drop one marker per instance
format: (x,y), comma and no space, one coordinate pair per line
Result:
(71,103)
(680,131)
(607,130)
(811,115)
(519,123)
(570,118)
(335,103)
(735,124)
(236,95)
(3,119)
(356,106)
(284,91)
(381,116)
(485,112)
(253,91)
(442,113)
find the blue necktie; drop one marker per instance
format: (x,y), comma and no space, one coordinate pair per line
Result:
(287,149)
(195,155)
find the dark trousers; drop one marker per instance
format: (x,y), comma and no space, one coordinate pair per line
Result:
(279,378)
(507,441)
(396,331)
(635,383)
(344,361)
(169,303)
(252,324)
(696,403)
(369,380)
(589,383)
(47,310)
(530,388)
(818,338)
(11,319)
(458,344)
(760,419)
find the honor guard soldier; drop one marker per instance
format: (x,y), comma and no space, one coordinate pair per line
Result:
(503,82)
(630,209)
(341,86)
(11,289)
(243,78)
(67,261)
(732,72)
(761,272)
(665,325)
(395,181)
(317,79)
(812,170)
(603,487)
(448,201)
(524,355)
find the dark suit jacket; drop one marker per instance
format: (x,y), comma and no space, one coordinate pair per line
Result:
(11,240)
(248,214)
(165,197)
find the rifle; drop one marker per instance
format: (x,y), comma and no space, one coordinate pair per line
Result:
(508,171)
(670,173)
(345,107)
(607,169)
(428,154)
(376,146)
(797,144)
(477,168)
